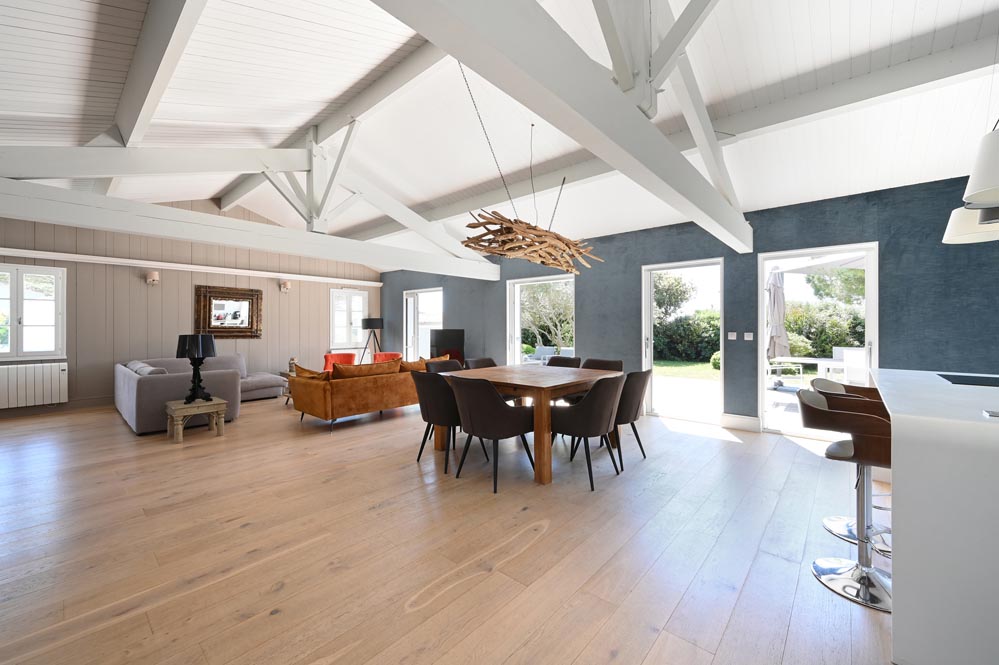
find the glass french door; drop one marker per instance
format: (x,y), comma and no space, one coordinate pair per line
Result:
(423,311)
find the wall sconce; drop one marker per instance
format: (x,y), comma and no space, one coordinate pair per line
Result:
(285,286)
(153,277)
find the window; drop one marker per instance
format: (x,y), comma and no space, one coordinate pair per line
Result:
(347,308)
(424,311)
(32,312)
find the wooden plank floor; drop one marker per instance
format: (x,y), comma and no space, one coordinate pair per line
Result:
(281,543)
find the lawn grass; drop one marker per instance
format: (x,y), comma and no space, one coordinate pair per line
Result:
(683,369)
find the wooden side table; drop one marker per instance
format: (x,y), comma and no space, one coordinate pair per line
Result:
(287,390)
(179,413)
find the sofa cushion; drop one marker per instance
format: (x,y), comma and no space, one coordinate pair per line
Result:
(229,361)
(305,373)
(143,369)
(258,380)
(171,365)
(413,365)
(372,369)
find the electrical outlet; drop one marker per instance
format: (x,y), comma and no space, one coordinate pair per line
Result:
(733,336)
(747,336)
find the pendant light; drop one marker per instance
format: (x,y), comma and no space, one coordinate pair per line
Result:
(983,184)
(968,226)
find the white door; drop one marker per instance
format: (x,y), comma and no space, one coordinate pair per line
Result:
(831,315)
(423,311)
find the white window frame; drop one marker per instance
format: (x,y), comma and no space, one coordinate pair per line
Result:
(16,298)
(348,294)
(411,326)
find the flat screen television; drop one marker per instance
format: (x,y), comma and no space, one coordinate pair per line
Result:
(450,341)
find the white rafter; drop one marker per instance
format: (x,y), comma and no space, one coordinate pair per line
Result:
(336,175)
(545,70)
(401,213)
(368,101)
(30,162)
(52,205)
(665,57)
(624,71)
(908,78)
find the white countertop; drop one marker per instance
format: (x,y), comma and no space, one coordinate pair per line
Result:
(922,394)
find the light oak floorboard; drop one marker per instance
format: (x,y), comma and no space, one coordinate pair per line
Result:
(281,543)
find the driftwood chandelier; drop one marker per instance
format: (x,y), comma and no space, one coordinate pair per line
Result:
(516,239)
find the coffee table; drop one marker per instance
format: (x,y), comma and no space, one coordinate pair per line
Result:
(179,413)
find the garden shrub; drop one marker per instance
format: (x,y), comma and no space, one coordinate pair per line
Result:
(692,338)
(716,359)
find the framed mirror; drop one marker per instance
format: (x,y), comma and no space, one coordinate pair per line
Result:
(228,313)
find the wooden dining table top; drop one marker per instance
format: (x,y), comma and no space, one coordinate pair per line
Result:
(535,376)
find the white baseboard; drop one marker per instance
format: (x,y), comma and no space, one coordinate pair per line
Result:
(744,423)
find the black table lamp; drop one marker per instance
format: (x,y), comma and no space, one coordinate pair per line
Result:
(196,348)
(371,325)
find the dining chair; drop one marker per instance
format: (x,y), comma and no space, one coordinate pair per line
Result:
(629,409)
(595,363)
(592,416)
(485,414)
(437,366)
(438,408)
(479,363)
(564,361)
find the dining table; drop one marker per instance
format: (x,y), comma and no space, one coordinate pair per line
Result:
(541,383)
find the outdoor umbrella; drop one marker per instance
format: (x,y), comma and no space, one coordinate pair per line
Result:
(777,344)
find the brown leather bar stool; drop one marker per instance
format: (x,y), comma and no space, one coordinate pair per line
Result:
(485,414)
(564,361)
(862,399)
(869,446)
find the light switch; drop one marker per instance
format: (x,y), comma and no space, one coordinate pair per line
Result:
(733,336)
(747,336)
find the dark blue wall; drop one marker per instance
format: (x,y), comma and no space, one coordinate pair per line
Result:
(937,302)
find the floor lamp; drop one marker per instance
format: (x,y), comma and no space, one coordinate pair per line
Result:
(372,326)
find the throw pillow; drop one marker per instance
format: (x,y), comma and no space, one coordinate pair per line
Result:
(149,370)
(413,366)
(372,369)
(303,373)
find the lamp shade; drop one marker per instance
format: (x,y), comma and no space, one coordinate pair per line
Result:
(983,185)
(372,324)
(968,226)
(196,346)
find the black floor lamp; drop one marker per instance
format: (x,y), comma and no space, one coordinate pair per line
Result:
(372,326)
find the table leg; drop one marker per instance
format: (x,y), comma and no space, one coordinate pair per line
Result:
(178,429)
(170,426)
(220,424)
(440,437)
(614,434)
(542,437)
(212,419)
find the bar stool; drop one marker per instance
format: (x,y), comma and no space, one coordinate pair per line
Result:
(869,445)
(826,386)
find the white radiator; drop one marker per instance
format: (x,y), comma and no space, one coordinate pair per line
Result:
(30,385)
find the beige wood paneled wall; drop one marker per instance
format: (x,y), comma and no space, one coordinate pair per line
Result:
(114,316)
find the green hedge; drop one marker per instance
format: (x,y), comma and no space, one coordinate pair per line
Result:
(825,325)
(716,359)
(693,338)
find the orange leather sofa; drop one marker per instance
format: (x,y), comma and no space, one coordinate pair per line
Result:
(350,390)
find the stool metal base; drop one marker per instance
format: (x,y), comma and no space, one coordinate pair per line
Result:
(870,587)
(845,528)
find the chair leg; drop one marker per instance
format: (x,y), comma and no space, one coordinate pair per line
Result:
(620,445)
(527,449)
(575,447)
(483,444)
(495,464)
(589,465)
(468,442)
(454,442)
(610,451)
(426,435)
(447,448)
(639,439)
(303,417)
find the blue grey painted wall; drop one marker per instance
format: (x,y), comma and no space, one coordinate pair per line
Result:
(937,302)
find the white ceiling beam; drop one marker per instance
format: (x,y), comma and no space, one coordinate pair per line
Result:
(401,213)
(343,207)
(295,198)
(665,57)
(365,103)
(908,78)
(166,30)
(545,70)
(337,173)
(36,162)
(52,205)
(624,71)
(688,93)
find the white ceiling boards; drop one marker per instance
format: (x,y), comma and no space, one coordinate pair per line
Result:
(791,100)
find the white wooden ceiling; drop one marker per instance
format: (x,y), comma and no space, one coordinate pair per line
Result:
(258,71)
